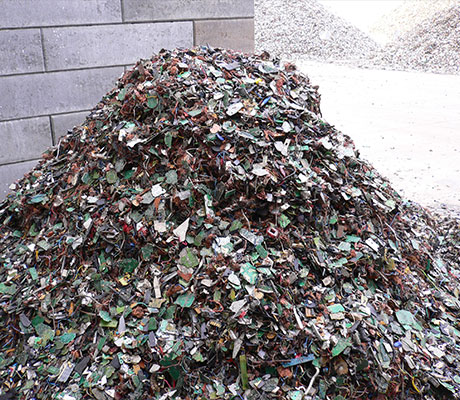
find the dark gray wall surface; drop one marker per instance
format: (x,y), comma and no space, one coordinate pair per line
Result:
(59,57)
(161,10)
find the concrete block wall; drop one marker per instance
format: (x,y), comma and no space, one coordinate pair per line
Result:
(59,57)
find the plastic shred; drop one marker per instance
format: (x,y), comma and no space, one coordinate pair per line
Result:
(205,234)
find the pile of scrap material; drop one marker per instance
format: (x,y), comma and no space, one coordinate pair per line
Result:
(307,29)
(406,16)
(206,235)
(432,45)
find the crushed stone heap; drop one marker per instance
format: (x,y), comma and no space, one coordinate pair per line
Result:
(406,16)
(433,45)
(206,235)
(306,28)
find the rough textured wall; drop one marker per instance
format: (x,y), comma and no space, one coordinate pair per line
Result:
(58,57)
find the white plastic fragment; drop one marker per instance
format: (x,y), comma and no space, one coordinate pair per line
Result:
(181,230)
(156,287)
(283,148)
(160,226)
(121,325)
(66,370)
(260,171)
(236,347)
(234,108)
(157,190)
(234,280)
(131,143)
(326,143)
(372,244)
(286,127)
(236,306)
(87,224)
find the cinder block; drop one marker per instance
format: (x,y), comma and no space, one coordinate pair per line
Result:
(65,122)
(101,45)
(24,139)
(20,51)
(24,13)
(236,34)
(54,92)
(169,10)
(11,173)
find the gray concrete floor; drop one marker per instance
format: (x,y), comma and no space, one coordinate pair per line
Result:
(407,124)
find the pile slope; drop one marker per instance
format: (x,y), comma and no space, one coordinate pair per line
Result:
(407,16)
(306,28)
(206,235)
(433,45)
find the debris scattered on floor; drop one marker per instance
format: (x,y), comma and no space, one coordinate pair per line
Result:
(206,235)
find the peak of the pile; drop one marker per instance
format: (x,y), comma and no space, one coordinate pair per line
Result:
(205,234)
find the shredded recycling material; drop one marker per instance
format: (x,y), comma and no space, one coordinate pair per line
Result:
(306,28)
(422,35)
(433,45)
(205,234)
(407,16)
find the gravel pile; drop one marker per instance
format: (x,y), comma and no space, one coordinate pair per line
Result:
(294,28)
(432,46)
(423,35)
(406,17)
